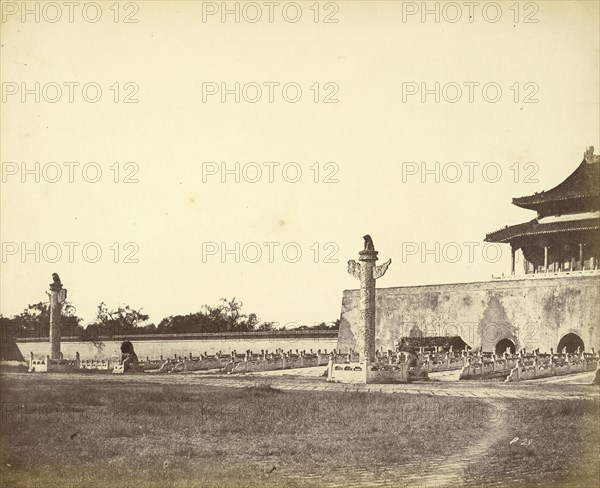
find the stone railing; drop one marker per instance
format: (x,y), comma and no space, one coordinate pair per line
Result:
(430,362)
(521,366)
(240,363)
(47,365)
(487,366)
(550,274)
(344,358)
(226,363)
(152,364)
(449,361)
(543,365)
(98,364)
(388,367)
(352,372)
(206,362)
(375,372)
(280,360)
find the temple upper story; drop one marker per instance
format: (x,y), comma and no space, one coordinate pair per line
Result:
(564,235)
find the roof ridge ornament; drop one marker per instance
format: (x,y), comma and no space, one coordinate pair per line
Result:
(590,157)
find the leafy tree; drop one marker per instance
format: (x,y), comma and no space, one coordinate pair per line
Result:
(266,326)
(182,324)
(230,318)
(9,328)
(148,329)
(335,325)
(122,320)
(34,321)
(225,317)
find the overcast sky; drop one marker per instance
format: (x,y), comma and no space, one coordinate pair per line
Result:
(179,216)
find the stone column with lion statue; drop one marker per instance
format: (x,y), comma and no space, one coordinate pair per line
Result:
(367,273)
(57,296)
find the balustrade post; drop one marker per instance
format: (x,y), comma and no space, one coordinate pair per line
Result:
(330,366)
(519,365)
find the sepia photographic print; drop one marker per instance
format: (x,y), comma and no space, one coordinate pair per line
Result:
(309,243)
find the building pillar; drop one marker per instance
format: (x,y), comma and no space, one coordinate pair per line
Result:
(512,259)
(57,296)
(367,273)
(545,259)
(581,256)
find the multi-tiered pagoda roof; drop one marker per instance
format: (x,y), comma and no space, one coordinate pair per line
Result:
(568,217)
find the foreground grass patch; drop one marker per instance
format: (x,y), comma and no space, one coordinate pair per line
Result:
(551,443)
(69,433)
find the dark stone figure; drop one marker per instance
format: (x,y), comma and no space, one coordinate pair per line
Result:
(369,246)
(126,347)
(413,359)
(56,285)
(129,358)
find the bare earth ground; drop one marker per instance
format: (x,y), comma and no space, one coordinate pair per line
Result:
(295,429)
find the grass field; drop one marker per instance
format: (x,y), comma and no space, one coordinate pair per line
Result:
(73,433)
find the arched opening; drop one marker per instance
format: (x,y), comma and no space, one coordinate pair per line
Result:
(571,342)
(504,344)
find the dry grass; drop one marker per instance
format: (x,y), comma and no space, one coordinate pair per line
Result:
(67,433)
(550,443)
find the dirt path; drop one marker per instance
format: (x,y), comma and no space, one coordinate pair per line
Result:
(429,471)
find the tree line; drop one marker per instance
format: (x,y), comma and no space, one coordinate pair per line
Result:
(227,316)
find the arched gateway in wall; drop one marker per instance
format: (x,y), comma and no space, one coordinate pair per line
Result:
(571,342)
(502,345)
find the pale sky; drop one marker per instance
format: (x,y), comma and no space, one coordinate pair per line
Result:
(370,58)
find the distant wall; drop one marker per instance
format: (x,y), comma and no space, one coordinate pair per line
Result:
(532,312)
(167,347)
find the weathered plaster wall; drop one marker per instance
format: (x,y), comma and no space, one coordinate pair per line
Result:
(167,348)
(532,312)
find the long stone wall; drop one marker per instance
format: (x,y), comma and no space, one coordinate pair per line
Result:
(531,312)
(155,348)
